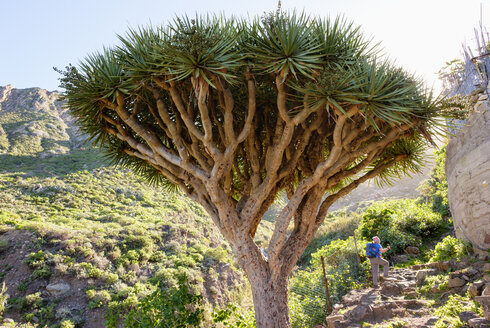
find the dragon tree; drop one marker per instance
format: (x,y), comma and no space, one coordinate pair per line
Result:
(234,112)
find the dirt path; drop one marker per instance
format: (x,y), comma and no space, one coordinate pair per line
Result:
(396,303)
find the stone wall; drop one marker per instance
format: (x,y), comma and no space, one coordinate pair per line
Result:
(468,177)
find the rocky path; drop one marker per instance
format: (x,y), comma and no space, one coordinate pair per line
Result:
(397,302)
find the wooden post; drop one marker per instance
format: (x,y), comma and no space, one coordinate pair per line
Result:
(329,303)
(357,252)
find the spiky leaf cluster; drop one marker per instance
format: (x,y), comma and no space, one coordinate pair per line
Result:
(325,66)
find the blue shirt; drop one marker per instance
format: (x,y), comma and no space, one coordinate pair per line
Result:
(377,247)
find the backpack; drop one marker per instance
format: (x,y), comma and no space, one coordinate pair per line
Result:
(371,250)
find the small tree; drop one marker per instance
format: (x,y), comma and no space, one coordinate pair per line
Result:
(234,112)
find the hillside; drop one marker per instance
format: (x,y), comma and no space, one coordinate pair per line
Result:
(79,235)
(82,241)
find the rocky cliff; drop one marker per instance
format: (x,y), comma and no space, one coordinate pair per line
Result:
(468,177)
(34,122)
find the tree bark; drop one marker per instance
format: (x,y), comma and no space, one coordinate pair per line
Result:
(271,302)
(269,291)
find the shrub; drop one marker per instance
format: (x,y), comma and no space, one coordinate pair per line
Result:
(157,256)
(450,248)
(90,293)
(111,278)
(232,317)
(91,270)
(449,312)
(37,261)
(67,324)
(338,225)
(307,296)
(439,281)
(133,256)
(175,307)
(3,298)
(434,189)
(98,298)
(42,273)
(34,300)
(212,256)
(402,223)
(34,260)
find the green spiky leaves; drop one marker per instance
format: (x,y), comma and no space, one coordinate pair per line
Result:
(325,66)
(285,44)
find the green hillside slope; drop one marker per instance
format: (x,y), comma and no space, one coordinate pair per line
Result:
(69,218)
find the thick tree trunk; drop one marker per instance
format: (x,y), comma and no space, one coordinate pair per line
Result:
(271,303)
(269,291)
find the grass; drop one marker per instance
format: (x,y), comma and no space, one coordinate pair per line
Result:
(95,221)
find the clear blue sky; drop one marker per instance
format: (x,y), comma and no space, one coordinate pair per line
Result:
(421,35)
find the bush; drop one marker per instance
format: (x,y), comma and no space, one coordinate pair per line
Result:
(175,307)
(97,298)
(307,298)
(449,312)
(450,248)
(434,189)
(37,261)
(338,225)
(67,324)
(402,223)
(439,282)
(3,298)
(231,317)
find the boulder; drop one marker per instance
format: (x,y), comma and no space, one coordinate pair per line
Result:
(471,272)
(383,310)
(391,289)
(358,313)
(431,321)
(479,323)
(476,288)
(58,289)
(412,250)
(434,289)
(400,258)
(456,282)
(334,321)
(466,316)
(486,290)
(485,304)
(484,257)
(442,266)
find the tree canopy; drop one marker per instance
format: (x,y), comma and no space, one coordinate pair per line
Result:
(234,111)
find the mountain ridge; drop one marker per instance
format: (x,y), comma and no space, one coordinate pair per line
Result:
(34,121)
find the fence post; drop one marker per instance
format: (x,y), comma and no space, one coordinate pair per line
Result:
(357,251)
(329,303)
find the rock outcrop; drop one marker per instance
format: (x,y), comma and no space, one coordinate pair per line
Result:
(468,177)
(34,121)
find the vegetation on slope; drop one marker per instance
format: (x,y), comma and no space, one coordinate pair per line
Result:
(401,223)
(126,244)
(108,226)
(99,225)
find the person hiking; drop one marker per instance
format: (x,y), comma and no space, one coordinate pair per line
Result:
(373,252)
